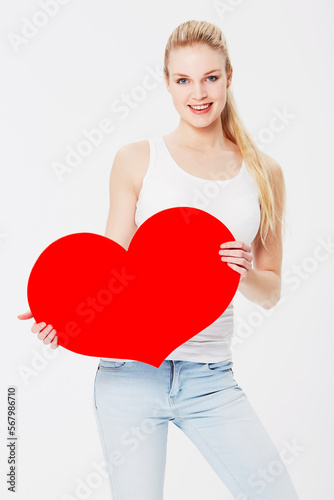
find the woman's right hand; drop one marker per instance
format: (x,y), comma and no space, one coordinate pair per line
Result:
(45,332)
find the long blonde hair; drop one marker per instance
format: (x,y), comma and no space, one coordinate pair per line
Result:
(257,162)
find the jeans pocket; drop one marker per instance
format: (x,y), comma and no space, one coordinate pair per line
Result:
(220,366)
(108,365)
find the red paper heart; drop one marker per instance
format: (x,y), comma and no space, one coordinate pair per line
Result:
(139,304)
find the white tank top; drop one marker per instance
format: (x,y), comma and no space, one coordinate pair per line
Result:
(233,201)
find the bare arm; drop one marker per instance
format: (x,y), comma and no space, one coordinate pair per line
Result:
(263,283)
(123,189)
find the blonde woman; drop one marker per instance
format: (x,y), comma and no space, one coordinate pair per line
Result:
(209,162)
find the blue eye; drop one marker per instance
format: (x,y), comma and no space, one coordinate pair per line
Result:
(213,76)
(177,81)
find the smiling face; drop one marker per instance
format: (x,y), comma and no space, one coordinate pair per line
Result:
(197,77)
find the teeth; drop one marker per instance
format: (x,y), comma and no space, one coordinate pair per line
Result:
(200,107)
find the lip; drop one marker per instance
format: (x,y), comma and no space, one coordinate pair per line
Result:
(200,111)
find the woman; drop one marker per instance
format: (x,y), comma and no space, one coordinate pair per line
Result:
(210,162)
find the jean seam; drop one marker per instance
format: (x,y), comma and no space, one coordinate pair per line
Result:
(103,439)
(187,422)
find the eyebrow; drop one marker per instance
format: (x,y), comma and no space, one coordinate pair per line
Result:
(212,71)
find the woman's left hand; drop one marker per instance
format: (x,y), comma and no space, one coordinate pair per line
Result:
(238,256)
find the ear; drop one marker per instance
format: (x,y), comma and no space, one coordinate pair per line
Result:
(167,84)
(229,78)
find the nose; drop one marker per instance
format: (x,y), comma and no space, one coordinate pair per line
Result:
(199,92)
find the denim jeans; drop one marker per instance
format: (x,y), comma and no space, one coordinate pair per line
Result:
(133,404)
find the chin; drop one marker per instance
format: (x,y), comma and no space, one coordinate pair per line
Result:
(197,123)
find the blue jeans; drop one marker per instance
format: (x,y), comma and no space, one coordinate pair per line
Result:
(134,402)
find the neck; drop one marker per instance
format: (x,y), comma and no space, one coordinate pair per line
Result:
(201,139)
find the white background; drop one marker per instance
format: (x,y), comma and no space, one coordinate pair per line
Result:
(63,81)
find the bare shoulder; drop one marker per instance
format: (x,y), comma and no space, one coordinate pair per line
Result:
(131,160)
(131,150)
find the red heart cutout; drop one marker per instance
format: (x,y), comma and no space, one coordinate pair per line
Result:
(139,304)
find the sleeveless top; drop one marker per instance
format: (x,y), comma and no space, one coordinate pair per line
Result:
(234,201)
